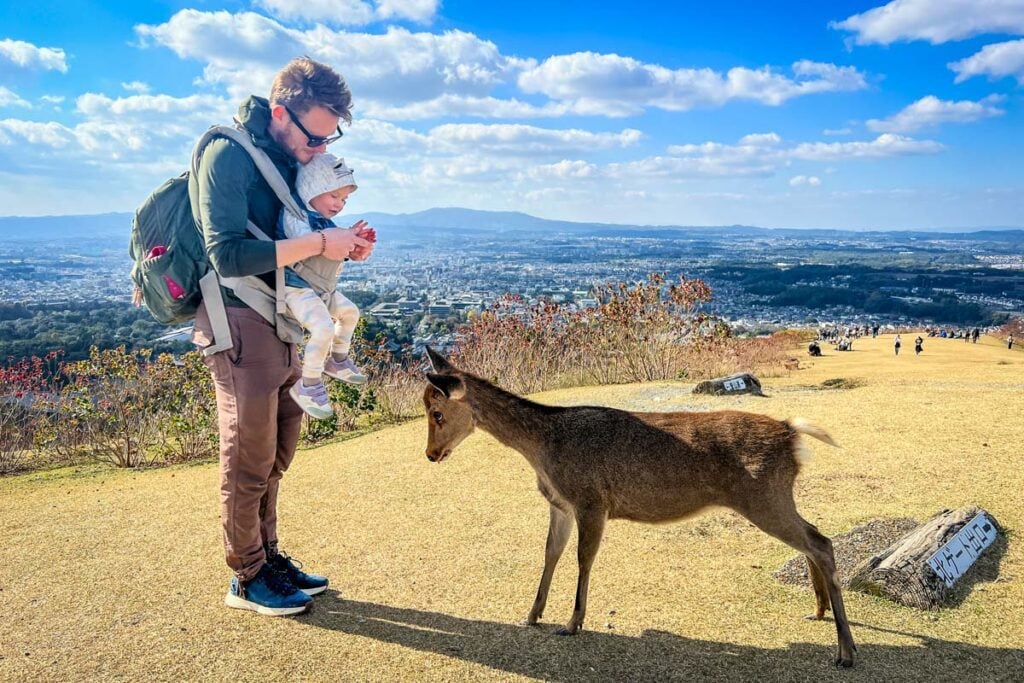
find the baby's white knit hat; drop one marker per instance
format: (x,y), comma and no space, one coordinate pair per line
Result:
(324,173)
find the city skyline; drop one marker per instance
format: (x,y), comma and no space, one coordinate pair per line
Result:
(852,115)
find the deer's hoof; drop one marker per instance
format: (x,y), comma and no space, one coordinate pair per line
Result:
(565,631)
(528,622)
(844,662)
(814,617)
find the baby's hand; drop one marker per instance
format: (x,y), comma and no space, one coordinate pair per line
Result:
(363,229)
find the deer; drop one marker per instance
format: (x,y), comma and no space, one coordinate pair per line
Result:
(595,464)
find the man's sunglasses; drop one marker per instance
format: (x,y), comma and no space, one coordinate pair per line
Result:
(312,140)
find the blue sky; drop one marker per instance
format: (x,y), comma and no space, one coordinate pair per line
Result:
(868,114)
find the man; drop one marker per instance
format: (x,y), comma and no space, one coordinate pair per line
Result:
(257,419)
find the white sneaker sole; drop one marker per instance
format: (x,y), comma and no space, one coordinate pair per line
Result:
(348,379)
(232,600)
(313,591)
(311,409)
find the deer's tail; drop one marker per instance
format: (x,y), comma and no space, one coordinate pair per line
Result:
(801,452)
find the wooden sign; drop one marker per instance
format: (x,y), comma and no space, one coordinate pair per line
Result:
(919,569)
(953,559)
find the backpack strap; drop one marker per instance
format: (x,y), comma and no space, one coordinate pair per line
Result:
(263,163)
(319,272)
(251,290)
(210,289)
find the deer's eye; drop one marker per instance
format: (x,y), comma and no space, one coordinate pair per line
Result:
(438,418)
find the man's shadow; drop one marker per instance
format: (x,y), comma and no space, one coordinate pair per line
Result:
(655,655)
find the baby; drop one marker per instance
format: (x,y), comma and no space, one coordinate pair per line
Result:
(324,184)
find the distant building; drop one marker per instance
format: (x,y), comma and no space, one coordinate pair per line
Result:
(386,311)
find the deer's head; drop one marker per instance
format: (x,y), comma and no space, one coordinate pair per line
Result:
(449,417)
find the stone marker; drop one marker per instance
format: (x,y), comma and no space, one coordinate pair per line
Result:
(743,383)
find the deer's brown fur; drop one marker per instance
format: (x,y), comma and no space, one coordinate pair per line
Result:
(594,464)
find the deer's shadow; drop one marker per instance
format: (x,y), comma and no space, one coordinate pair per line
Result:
(654,655)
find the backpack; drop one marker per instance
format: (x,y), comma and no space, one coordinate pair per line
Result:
(171,270)
(168,254)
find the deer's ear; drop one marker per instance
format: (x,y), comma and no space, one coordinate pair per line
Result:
(438,362)
(449,385)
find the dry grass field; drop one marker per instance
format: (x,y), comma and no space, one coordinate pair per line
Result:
(118,575)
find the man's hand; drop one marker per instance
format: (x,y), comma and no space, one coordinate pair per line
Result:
(341,243)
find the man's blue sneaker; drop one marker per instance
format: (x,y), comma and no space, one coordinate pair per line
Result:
(310,584)
(269,593)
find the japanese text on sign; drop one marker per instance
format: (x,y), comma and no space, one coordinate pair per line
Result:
(959,553)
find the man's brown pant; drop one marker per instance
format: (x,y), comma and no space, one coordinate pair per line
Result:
(259,430)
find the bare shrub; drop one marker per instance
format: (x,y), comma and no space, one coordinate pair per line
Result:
(187,409)
(528,347)
(108,411)
(649,324)
(24,386)
(638,332)
(395,384)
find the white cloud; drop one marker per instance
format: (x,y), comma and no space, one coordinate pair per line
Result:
(522,139)
(155,116)
(52,99)
(351,12)
(225,41)
(472,167)
(28,56)
(801,180)
(49,134)
(563,170)
(9,98)
(757,154)
(136,87)
(885,145)
(995,61)
(761,139)
(458,105)
(765,154)
(836,131)
(935,21)
(615,85)
(710,160)
(422,11)
(931,111)
(140,131)
(336,12)
(406,75)
(244,51)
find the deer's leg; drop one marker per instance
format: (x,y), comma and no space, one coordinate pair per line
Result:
(822,555)
(820,590)
(559,529)
(590,527)
(782,521)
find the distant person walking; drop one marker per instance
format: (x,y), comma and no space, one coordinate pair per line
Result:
(897,344)
(1009,342)
(974,335)
(918,345)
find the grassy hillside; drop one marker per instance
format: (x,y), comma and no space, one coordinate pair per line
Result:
(119,575)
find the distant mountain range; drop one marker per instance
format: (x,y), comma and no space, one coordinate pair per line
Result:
(459,220)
